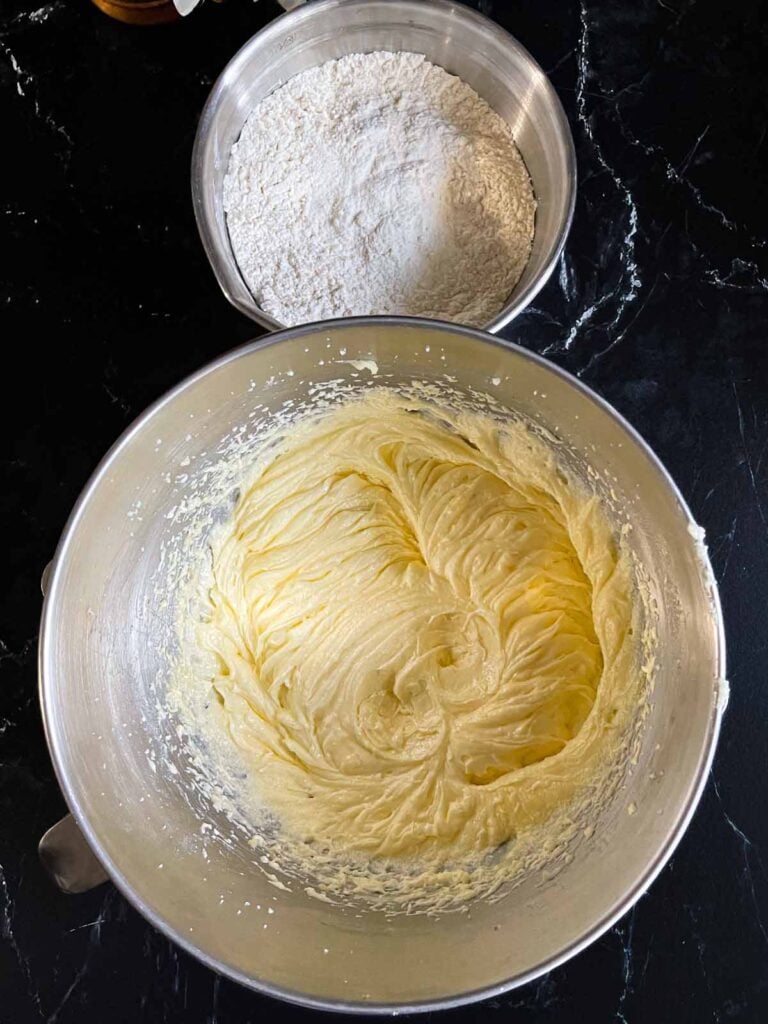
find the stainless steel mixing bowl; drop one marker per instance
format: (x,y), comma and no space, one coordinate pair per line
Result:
(465,43)
(107,626)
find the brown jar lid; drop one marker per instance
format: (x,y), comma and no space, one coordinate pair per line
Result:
(139,12)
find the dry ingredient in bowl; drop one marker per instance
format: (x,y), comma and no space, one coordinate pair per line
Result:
(378,184)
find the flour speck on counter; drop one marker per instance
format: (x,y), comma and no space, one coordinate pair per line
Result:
(379,184)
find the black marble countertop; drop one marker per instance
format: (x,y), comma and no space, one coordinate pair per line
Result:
(659,303)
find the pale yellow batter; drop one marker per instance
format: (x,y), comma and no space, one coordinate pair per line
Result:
(422,630)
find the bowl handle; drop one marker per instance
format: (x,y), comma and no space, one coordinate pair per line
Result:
(68,858)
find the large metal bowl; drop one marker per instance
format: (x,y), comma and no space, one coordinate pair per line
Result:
(107,626)
(465,43)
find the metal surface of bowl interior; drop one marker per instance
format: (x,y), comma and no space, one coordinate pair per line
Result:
(465,43)
(107,626)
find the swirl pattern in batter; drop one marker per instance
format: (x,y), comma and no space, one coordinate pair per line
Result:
(421,629)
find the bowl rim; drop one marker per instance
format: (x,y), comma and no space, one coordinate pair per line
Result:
(206,229)
(46,672)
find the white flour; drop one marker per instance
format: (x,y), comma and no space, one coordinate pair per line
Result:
(378,183)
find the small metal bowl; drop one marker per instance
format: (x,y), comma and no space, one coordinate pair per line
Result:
(458,39)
